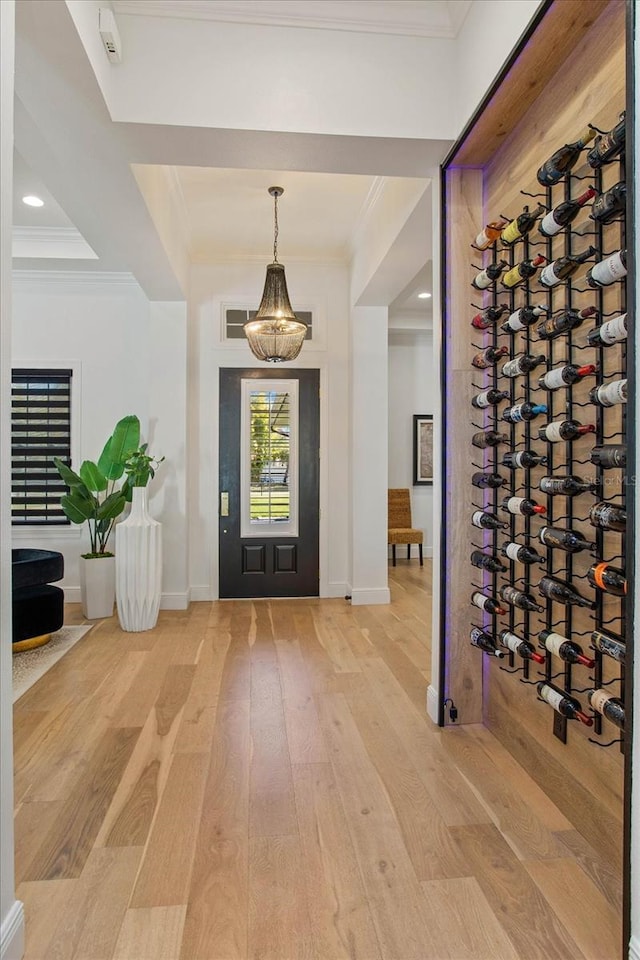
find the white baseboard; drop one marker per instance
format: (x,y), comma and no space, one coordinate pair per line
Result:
(12,933)
(72,594)
(432,704)
(634,948)
(202,593)
(374,595)
(168,601)
(337,589)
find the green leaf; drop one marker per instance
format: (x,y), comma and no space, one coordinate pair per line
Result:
(125,439)
(77,509)
(70,478)
(92,477)
(112,507)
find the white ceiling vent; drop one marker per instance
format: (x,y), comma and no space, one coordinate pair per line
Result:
(109,33)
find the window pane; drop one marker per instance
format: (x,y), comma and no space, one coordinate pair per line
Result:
(270,447)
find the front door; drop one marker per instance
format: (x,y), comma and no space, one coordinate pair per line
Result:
(269,483)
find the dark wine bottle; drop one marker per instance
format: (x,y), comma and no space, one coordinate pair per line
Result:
(488,604)
(564,267)
(610,204)
(552,327)
(609,645)
(565,649)
(521,554)
(566,486)
(522,318)
(555,589)
(489,234)
(484,641)
(608,333)
(564,214)
(520,599)
(486,561)
(609,394)
(609,270)
(522,224)
(564,159)
(609,706)
(489,398)
(488,357)
(523,411)
(564,430)
(487,317)
(488,438)
(487,521)
(563,703)
(523,506)
(489,275)
(519,646)
(526,459)
(522,271)
(608,516)
(484,480)
(607,146)
(607,578)
(609,456)
(568,540)
(523,363)
(565,376)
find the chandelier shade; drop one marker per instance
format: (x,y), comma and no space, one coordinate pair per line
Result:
(275,334)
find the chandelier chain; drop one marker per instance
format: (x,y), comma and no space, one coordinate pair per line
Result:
(275,228)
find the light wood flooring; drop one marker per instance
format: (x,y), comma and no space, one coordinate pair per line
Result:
(259,780)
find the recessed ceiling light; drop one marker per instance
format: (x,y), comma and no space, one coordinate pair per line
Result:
(423,296)
(33,201)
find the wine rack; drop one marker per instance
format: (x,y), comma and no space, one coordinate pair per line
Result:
(567,458)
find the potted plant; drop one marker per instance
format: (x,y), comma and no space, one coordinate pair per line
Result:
(95,498)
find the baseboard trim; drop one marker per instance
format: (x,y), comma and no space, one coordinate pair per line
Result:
(12,933)
(202,594)
(337,589)
(634,948)
(168,601)
(369,596)
(72,594)
(432,704)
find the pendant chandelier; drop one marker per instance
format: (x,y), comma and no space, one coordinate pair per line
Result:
(275,333)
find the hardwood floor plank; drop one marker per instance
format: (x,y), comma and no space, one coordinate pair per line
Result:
(43,901)
(151,933)
(306,743)
(135,706)
(279,923)
(335,643)
(271,807)
(603,873)
(32,824)
(463,922)
(235,683)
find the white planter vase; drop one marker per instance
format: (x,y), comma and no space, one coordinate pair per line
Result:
(97,586)
(138,566)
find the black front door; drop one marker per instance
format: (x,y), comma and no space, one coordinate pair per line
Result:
(269,483)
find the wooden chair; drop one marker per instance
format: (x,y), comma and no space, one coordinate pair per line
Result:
(399,523)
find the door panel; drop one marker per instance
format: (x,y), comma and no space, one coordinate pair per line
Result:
(269,483)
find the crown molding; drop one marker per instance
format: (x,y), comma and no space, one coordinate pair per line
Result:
(83,277)
(51,242)
(201,259)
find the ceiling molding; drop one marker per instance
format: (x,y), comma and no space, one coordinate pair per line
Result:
(202,259)
(412,18)
(84,277)
(48,243)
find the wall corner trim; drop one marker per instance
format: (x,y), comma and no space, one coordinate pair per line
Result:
(12,933)
(371,595)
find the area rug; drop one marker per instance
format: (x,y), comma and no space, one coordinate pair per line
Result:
(30,665)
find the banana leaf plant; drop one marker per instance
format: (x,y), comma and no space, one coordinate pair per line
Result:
(94,496)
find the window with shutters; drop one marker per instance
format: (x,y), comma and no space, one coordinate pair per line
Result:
(40,431)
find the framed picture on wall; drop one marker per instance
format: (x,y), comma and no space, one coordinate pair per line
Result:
(422,449)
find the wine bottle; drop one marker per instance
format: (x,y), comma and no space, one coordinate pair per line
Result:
(607,146)
(609,706)
(487,317)
(484,480)
(610,204)
(608,578)
(609,455)
(526,458)
(488,438)
(608,333)
(523,363)
(568,540)
(489,398)
(522,224)
(566,486)
(555,589)
(488,357)
(520,599)
(522,318)
(489,234)
(564,159)
(608,516)
(609,645)
(521,505)
(487,521)
(565,649)
(488,604)
(608,394)
(523,411)
(486,561)
(552,327)
(563,703)
(489,275)
(484,641)
(520,553)
(564,430)
(519,646)
(564,267)
(565,376)
(564,214)
(609,270)
(522,271)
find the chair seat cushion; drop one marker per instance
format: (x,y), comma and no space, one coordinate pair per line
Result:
(37,610)
(31,567)
(405,535)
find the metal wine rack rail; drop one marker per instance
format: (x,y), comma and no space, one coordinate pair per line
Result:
(569,458)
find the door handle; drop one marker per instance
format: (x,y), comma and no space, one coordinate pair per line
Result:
(224,504)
